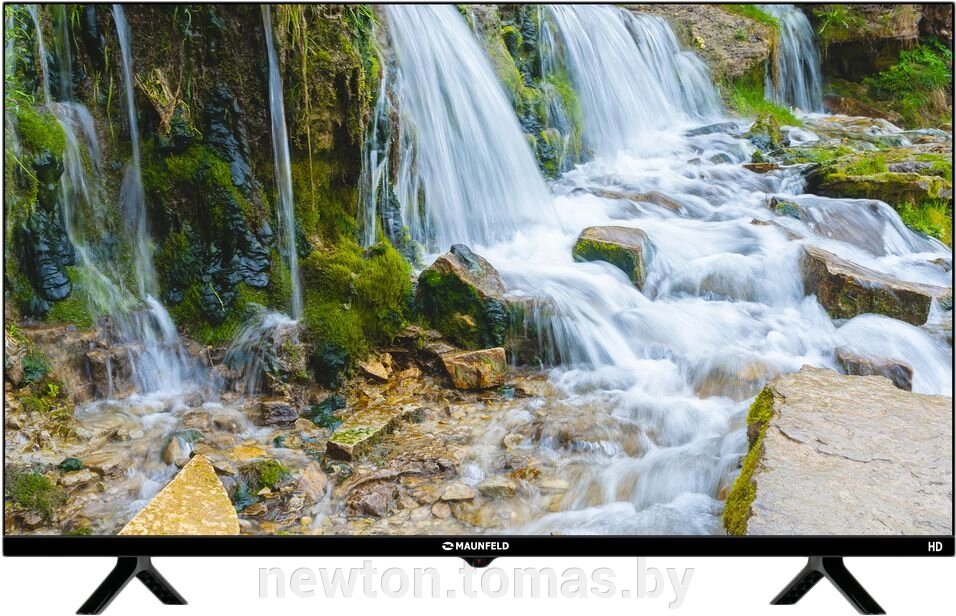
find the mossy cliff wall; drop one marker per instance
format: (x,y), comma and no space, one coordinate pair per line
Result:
(202,104)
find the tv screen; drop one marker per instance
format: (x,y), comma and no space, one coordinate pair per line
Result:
(675,276)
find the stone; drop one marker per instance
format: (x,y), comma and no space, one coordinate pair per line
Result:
(110,372)
(376,369)
(441,510)
(193,503)
(833,454)
(197,420)
(498,487)
(356,435)
(554,486)
(276,412)
(313,482)
(109,463)
(77,478)
(900,373)
(476,369)
(461,295)
(720,127)
(456,492)
(176,451)
(625,248)
(761,167)
(846,290)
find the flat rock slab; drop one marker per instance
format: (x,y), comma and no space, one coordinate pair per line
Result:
(476,369)
(853,455)
(363,429)
(193,503)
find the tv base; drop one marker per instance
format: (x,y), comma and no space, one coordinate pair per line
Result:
(478,562)
(128,567)
(833,569)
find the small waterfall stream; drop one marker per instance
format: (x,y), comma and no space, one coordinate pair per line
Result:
(797,78)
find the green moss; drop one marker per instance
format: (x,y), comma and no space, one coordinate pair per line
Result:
(39,130)
(351,437)
(264,474)
(752,11)
(70,464)
(459,312)
(744,491)
(34,491)
(746,97)
(189,314)
(932,218)
(626,260)
(75,308)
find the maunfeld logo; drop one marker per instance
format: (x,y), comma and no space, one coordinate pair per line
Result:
(475,546)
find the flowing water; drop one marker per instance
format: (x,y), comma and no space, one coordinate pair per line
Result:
(462,151)
(644,425)
(283,169)
(620,108)
(797,78)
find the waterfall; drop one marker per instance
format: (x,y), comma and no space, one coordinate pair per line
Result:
(34,10)
(463,155)
(283,169)
(797,79)
(630,73)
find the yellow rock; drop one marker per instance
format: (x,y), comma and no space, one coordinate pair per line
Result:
(193,503)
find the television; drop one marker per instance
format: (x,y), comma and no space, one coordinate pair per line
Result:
(478,280)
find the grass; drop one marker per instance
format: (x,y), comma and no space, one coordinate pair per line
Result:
(754,12)
(916,85)
(932,218)
(748,100)
(837,22)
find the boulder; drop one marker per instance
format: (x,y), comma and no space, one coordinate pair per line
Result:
(476,369)
(846,290)
(625,248)
(356,435)
(766,135)
(313,482)
(193,503)
(276,412)
(832,454)
(899,373)
(461,295)
(456,492)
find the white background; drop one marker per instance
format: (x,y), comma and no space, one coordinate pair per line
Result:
(738,586)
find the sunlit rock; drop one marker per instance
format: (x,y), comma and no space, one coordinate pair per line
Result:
(625,248)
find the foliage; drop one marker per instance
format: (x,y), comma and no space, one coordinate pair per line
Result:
(837,22)
(747,99)
(754,12)
(932,218)
(264,474)
(917,83)
(34,491)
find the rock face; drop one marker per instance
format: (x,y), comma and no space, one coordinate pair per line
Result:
(461,294)
(899,373)
(276,411)
(847,290)
(625,248)
(193,503)
(844,455)
(476,369)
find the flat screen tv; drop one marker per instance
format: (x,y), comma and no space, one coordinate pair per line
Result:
(478,280)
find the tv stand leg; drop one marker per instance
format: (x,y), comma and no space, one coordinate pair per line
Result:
(833,569)
(128,567)
(478,562)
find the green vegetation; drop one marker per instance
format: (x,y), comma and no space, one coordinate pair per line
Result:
(459,311)
(744,491)
(933,218)
(754,12)
(75,308)
(264,474)
(837,22)
(917,85)
(33,491)
(747,98)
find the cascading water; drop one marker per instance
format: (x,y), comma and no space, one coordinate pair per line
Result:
(643,425)
(620,109)
(283,169)
(797,78)
(462,151)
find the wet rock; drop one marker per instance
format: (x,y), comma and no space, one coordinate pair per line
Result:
(832,454)
(846,290)
(197,420)
(623,247)
(363,429)
(900,373)
(377,499)
(456,492)
(110,372)
(461,294)
(376,369)
(78,478)
(109,463)
(441,510)
(498,487)
(313,482)
(276,412)
(762,167)
(70,464)
(721,127)
(766,135)
(476,369)
(193,503)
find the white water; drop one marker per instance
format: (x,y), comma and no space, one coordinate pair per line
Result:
(646,422)
(283,168)
(463,151)
(797,80)
(647,81)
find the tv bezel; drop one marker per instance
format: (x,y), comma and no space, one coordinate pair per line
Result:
(517,545)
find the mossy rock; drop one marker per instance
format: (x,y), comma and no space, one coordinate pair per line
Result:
(765,133)
(625,248)
(741,496)
(461,295)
